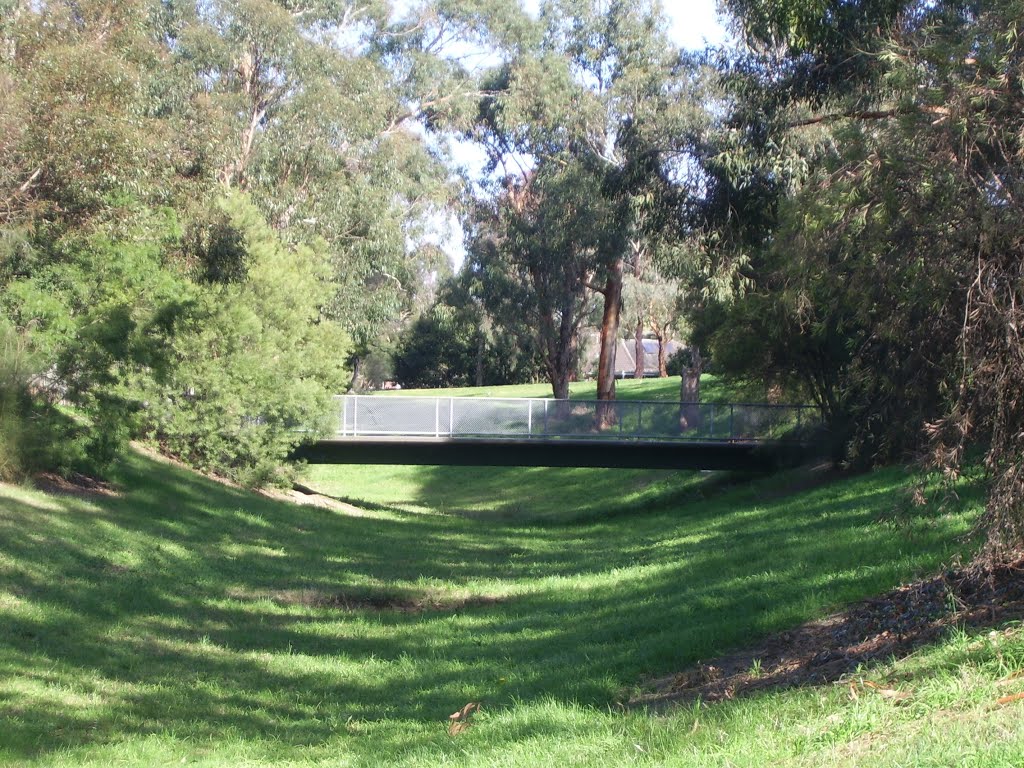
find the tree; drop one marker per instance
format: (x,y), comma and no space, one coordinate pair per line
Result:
(651,302)
(896,141)
(602,88)
(535,253)
(247,365)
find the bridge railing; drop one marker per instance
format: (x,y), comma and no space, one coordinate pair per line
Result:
(463,417)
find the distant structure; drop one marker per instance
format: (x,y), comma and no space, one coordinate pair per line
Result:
(625,356)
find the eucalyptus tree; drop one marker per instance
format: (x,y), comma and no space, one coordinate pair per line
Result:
(603,86)
(534,251)
(317,110)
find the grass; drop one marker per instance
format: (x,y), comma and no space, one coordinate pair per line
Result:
(186,622)
(713,390)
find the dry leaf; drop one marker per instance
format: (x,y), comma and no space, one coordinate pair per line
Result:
(460,719)
(886,693)
(458,727)
(1010,699)
(465,712)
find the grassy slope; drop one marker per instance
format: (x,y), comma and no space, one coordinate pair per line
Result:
(175,624)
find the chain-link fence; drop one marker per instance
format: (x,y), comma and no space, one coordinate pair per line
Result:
(455,417)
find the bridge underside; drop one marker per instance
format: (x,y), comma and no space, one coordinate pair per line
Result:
(490,452)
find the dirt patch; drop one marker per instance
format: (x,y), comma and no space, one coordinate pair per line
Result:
(309,498)
(397,602)
(407,603)
(74,485)
(890,626)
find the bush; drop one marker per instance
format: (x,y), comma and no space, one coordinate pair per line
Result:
(35,436)
(250,365)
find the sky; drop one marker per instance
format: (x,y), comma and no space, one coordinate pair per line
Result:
(694,24)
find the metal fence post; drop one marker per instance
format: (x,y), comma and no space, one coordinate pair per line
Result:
(732,427)
(355,415)
(711,422)
(639,418)
(437,417)
(529,418)
(545,416)
(451,417)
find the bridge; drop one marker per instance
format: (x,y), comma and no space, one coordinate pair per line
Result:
(380,429)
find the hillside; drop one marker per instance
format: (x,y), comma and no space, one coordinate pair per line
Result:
(181,620)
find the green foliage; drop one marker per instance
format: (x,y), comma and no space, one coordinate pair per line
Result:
(36,435)
(882,140)
(457,343)
(600,107)
(442,348)
(249,363)
(13,385)
(122,125)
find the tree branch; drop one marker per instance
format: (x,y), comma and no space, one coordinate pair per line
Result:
(870,114)
(31,180)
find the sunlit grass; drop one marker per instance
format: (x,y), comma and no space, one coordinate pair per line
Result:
(190,621)
(713,390)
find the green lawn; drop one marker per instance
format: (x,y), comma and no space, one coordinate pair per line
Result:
(713,390)
(190,623)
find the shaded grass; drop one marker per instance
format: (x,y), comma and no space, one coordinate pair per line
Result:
(189,620)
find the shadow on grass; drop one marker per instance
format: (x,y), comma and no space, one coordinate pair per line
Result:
(167,610)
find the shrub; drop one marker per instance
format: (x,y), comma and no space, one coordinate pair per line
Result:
(250,365)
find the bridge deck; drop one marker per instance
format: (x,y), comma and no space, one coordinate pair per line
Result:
(564,433)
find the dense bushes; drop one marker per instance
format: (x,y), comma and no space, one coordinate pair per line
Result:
(247,364)
(227,375)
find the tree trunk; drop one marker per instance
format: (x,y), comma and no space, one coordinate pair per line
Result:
(689,393)
(662,362)
(560,385)
(639,366)
(558,337)
(357,364)
(481,349)
(609,341)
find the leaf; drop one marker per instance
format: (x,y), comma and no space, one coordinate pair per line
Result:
(886,693)
(465,712)
(458,727)
(460,719)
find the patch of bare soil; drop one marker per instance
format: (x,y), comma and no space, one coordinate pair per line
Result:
(299,494)
(369,601)
(407,603)
(74,485)
(890,626)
